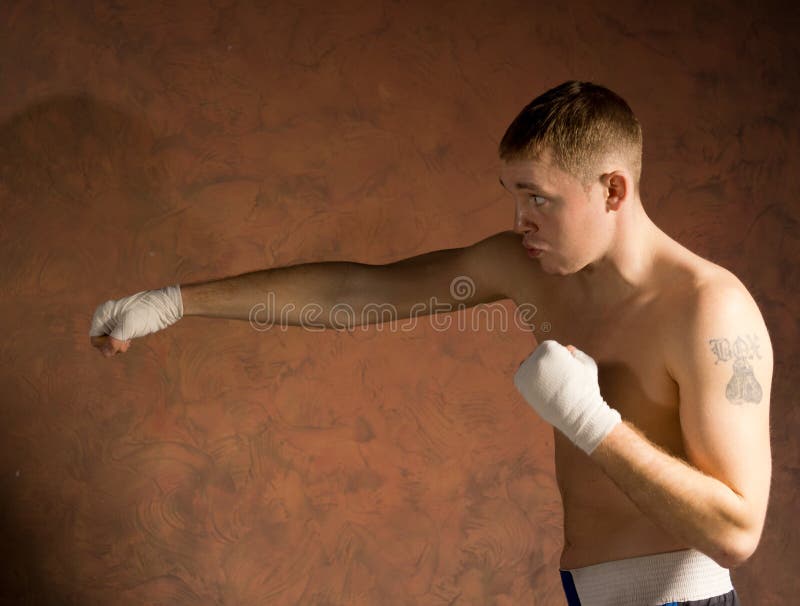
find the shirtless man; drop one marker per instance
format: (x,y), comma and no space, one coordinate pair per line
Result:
(661,395)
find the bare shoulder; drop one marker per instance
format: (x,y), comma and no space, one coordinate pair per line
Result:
(709,307)
(726,314)
(714,289)
(499,263)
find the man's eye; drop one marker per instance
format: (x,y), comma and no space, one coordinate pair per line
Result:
(538,200)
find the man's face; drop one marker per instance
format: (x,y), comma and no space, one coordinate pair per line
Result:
(554,213)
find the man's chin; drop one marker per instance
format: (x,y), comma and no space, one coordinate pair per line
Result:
(555,269)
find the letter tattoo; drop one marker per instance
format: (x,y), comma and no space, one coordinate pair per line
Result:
(743,386)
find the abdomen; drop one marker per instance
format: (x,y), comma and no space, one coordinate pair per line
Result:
(600,522)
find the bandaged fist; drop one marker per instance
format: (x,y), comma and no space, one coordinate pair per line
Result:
(135,316)
(563,388)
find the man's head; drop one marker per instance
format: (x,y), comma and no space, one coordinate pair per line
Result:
(582,125)
(572,159)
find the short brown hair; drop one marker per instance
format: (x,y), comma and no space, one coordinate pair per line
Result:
(580,123)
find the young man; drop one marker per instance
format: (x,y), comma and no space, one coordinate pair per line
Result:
(661,395)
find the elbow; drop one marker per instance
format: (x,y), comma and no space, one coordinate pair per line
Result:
(737,548)
(735,545)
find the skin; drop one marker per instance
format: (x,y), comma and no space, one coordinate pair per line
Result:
(603,236)
(109,346)
(690,465)
(681,347)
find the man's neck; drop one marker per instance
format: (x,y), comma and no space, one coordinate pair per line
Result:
(626,270)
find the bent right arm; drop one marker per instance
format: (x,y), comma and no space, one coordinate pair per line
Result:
(432,282)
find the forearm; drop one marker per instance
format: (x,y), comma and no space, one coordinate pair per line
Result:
(277,295)
(692,506)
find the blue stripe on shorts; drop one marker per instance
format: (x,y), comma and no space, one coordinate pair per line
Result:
(569,588)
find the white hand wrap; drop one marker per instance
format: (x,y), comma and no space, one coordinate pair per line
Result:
(565,392)
(138,315)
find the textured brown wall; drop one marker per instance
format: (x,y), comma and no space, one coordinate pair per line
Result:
(148,143)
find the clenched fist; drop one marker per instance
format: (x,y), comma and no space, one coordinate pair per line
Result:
(135,316)
(561,385)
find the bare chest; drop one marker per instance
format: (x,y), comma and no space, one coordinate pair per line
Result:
(599,520)
(627,345)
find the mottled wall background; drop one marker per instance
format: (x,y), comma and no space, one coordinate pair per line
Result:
(148,143)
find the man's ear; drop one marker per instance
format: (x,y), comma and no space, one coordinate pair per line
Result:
(616,189)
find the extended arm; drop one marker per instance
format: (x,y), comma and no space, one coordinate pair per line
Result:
(331,294)
(437,281)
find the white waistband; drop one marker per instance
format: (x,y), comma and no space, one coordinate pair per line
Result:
(654,579)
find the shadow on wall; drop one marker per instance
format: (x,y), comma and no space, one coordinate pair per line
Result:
(75,174)
(22,579)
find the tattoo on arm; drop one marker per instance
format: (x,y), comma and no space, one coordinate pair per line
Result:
(743,386)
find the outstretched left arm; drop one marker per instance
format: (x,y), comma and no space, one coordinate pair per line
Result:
(716,500)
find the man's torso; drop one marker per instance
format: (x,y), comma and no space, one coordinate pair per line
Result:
(628,341)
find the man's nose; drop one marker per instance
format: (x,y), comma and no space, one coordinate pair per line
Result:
(523,222)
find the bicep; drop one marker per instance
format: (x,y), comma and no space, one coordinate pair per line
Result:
(438,281)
